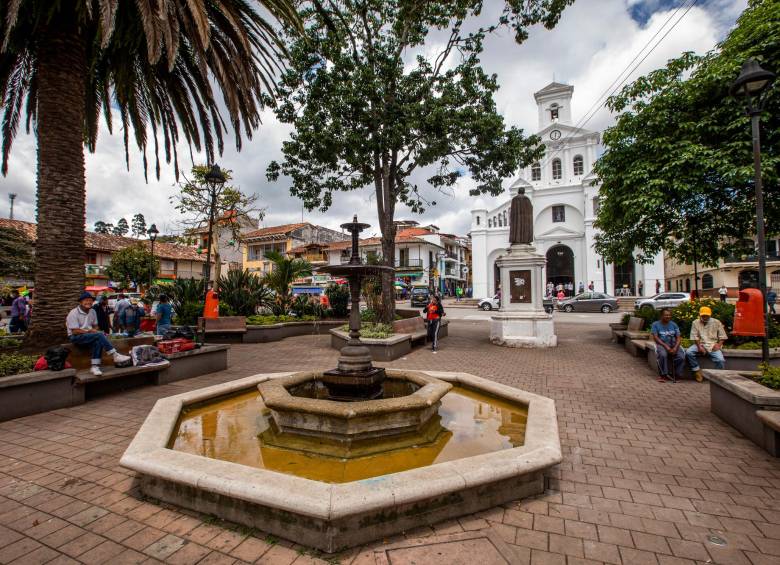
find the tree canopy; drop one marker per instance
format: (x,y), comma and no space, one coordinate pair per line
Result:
(370,106)
(132,264)
(677,172)
(121,227)
(139,225)
(16,254)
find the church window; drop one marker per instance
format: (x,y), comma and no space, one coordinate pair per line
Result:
(554,112)
(579,167)
(505,222)
(536,171)
(495,222)
(499,220)
(477,220)
(490,223)
(559,213)
(556,169)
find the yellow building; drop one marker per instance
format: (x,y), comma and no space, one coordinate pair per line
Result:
(282,239)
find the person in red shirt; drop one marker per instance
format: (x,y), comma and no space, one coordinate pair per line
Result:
(434,312)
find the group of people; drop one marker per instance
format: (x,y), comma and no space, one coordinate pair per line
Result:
(707,334)
(89,322)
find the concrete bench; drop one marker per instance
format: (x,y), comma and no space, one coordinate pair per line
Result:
(81,356)
(629,339)
(225,329)
(771,421)
(415,327)
(634,325)
(115,379)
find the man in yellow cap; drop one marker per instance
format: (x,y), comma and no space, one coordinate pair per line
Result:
(709,336)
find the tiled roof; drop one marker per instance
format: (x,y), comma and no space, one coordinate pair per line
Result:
(282,230)
(110,243)
(306,247)
(414,231)
(374,241)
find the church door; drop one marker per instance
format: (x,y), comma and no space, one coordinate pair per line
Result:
(560,265)
(496,278)
(624,277)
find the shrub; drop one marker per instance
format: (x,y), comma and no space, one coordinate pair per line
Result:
(687,312)
(10,342)
(774,342)
(15,363)
(625,318)
(373,330)
(243,293)
(186,298)
(303,305)
(271,319)
(769,377)
(338,296)
(187,314)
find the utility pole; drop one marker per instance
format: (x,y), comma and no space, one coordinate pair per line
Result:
(11,197)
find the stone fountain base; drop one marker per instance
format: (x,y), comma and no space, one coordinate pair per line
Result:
(335,516)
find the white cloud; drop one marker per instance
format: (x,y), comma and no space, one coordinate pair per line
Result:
(593,42)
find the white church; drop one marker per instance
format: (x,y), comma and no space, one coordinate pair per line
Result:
(565,203)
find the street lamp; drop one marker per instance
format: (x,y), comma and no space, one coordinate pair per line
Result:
(152,233)
(751,84)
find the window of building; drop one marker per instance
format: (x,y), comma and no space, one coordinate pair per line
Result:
(668,285)
(536,172)
(559,213)
(505,222)
(579,166)
(477,220)
(554,112)
(91,258)
(771,248)
(687,285)
(557,170)
(500,220)
(495,222)
(707,281)
(490,223)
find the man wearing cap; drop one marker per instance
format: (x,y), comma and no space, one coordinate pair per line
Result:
(709,336)
(82,325)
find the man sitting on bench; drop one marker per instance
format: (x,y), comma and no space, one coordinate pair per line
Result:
(83,331)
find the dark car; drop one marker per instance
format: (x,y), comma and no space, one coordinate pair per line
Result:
(589,302)
(420,296)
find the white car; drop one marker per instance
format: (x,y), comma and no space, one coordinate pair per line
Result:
(488,303)
(663,300)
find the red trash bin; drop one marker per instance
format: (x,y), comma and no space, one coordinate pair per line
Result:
(749,316)
(211,309)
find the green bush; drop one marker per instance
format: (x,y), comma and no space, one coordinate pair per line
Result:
(15,363)
(186,298)
(243,293)
(774,342)
(338,296)
(625,318)
(373,330)
(770,376)
(10,342)
(187,314)
(687,312)
(271,319)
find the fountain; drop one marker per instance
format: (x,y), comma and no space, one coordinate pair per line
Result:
(336,458)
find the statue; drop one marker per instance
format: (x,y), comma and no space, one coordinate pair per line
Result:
(521,219)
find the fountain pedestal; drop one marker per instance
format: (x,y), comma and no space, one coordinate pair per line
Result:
(522,321)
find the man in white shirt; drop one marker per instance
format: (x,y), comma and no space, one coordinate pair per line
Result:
(724,292)
(83,331)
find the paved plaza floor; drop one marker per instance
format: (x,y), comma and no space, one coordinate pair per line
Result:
(649,474)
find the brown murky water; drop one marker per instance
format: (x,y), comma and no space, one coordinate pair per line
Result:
(240,429)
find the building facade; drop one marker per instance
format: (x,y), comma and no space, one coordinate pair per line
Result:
(228,233)
(564,193)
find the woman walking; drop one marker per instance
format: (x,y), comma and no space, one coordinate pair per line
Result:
(434,312)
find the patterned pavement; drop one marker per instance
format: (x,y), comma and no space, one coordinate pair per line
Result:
(649,475)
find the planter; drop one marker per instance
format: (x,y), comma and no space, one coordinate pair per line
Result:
(735,398)
(276,332)
(387,349)
(194,363)
(40,391)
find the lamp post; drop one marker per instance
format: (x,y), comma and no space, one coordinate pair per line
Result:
(215,180)
(152,233)
(11,197)
(751,85)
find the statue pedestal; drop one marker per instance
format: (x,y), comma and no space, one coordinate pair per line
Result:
(522,321)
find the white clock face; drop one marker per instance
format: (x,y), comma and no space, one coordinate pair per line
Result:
(555,134)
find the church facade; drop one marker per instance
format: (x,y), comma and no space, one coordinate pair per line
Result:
(564,193)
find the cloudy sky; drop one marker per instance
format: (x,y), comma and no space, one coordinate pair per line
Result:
(594,41)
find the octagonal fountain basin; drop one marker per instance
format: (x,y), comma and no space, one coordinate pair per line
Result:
(223,451)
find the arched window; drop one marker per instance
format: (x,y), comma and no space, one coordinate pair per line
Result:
(557,169)
(707,281)
(579,167)
(687,285)
(500,220)
(536,171)
(495,222)
(490,223)
(477,220)
(505,222)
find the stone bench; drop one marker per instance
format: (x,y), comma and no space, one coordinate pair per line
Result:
(634,325)
(415,327)
(81,355)
(630,339)
(225,329)
(41,391)
(771,421)
(115,379)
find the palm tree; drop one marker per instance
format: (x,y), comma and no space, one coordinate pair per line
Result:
(153,63)
(282,275)
(243,292)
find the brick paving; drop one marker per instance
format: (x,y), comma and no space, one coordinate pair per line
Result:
(649,474)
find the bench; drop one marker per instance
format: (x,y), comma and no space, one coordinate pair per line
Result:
(115,379)
(634,325)
(225,329)
(81,356)
(415,327)
(629,339)
(771,421)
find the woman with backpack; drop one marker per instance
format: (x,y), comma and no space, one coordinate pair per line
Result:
(434,312)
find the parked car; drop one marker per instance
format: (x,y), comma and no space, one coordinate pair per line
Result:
(589,302)
(488,304)
(420,296)
(663,300)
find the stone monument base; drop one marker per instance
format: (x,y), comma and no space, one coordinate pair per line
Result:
(523,329)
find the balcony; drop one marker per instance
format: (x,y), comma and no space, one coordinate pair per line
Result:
(95,270)
(406,263)
(451,257)
(770,257)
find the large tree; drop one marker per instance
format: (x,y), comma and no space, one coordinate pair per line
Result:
(16,254)
(370,105)
(139,225)
(153,66)
(677,172)
(121,227)
(134,264)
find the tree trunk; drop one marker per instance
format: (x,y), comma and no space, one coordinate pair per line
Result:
(388,277)
(59,249)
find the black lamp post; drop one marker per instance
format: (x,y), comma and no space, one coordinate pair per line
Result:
(152,233)
(215,180)
(751,84)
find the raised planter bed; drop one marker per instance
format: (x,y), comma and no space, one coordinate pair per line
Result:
(41,391)
(276,332)
(389,348)
(209,358)
(735,398)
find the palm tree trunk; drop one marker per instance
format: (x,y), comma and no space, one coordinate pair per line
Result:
(59,250)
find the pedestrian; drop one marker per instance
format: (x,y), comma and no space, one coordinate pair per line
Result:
(723,292)
(458,293)
(18,313)
(667,337)
(709,336)
(434,312)
(130,318)
(164,315)
(102,313)
(82,326)
(121,303)
(581,288)
(657,286)
(561,295)
(591,286)
(771,299)
(641,288)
